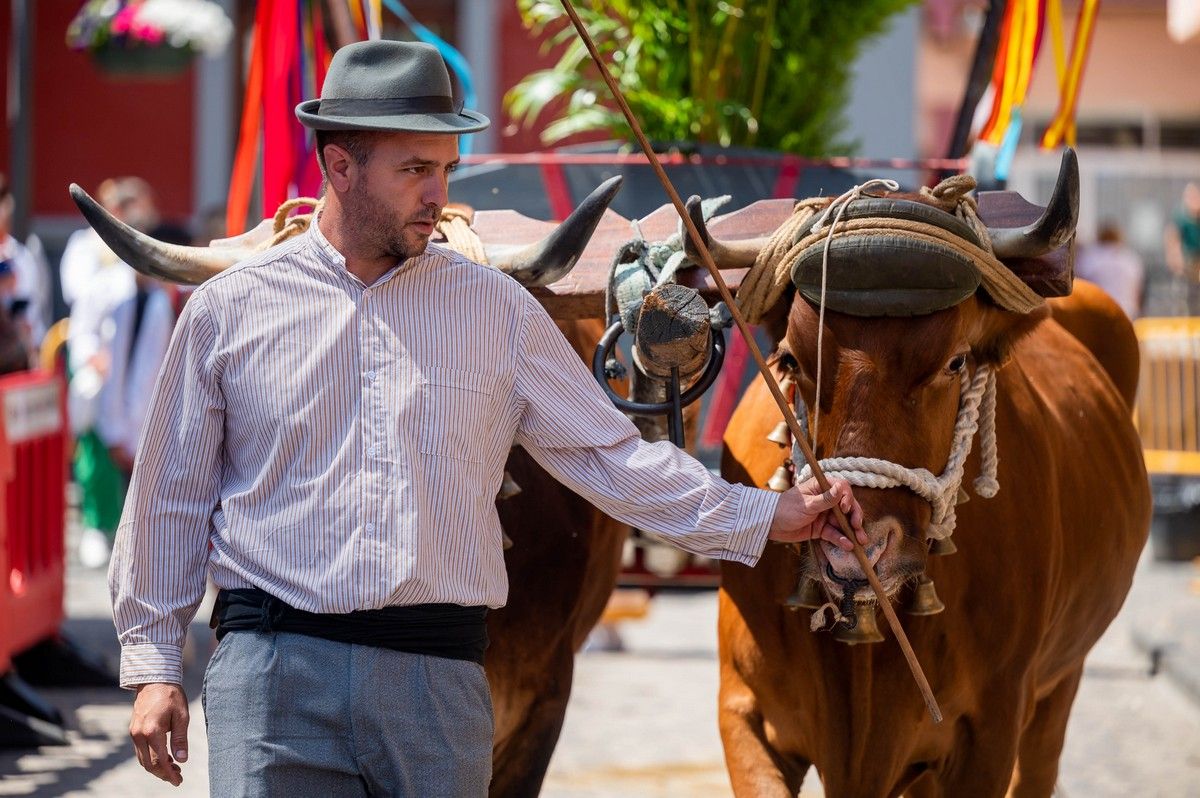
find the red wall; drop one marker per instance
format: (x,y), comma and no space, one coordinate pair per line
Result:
(520,53)
(89,126)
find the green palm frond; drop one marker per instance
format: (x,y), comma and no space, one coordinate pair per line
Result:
(767,73)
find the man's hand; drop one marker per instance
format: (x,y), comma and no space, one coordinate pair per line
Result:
(160,708)
(805,513)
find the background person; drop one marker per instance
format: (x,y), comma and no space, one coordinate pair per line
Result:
(1181,245)
(94,282)
(1114,266)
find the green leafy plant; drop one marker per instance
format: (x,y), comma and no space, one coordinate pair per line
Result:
(765,73)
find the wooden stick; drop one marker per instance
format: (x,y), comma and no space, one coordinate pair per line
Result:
(788,415)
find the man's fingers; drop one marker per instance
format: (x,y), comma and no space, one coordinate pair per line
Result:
(179,730)
(856,521)
(164,768)
(142,750)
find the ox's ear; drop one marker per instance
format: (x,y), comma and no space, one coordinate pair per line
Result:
(993,331)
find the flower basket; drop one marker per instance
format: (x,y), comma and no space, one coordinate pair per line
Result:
(143,62)
(148,38)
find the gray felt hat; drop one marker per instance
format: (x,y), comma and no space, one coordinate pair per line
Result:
(388,85)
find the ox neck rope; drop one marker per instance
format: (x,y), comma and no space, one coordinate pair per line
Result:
(976,413)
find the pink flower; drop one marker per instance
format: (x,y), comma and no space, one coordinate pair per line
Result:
(123,21)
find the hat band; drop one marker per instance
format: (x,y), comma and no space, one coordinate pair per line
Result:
(388,106)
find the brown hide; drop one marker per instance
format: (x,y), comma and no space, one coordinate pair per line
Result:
(561,569)
(1093,317)
(1041,570)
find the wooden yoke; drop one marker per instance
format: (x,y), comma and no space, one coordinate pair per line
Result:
(580,295)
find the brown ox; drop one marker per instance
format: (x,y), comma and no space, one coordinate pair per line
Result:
(1041,569)
(566,554)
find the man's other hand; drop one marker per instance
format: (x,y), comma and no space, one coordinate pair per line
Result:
(158,710)
(805,513)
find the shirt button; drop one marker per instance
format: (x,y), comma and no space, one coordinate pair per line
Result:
(370,527)
(371,376)
(371,451)
(367,294)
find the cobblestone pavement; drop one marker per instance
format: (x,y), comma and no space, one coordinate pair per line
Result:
(642,724)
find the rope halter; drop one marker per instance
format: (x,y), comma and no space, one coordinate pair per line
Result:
(976,413)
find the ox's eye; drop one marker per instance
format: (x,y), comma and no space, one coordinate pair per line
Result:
(957,363)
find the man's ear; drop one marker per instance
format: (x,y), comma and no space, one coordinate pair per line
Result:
(339,167)
(995,331)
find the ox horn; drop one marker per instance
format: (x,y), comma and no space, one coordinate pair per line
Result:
(739,254)
(171,262)
(1054,227)
(550,259)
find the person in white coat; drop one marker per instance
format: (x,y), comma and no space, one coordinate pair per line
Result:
(141,330)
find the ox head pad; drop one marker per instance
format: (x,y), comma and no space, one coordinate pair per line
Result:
(878,272)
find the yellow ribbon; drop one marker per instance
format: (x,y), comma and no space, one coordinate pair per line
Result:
(1062,127)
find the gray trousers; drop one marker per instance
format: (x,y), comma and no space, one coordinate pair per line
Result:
(293,716)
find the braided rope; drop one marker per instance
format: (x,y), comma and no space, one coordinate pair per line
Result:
(976,413)
(455,225)
(771,276)
(290,226)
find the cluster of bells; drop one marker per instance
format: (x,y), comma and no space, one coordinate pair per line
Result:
(923,599)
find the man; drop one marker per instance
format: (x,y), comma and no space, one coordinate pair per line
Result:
(334,418)
(1114,266)
(1181,245)
(94,283)
(141,328)
(30,295)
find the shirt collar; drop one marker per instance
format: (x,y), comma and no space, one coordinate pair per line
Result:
(329,255)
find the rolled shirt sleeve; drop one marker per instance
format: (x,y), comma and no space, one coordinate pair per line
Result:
(569,426)
(157,574)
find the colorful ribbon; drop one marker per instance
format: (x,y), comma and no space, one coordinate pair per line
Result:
(1062,127)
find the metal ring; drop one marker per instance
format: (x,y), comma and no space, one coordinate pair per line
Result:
(716,357)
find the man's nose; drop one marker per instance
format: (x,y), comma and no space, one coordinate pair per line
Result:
(436,192)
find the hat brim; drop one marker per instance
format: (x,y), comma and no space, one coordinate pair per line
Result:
(462,122)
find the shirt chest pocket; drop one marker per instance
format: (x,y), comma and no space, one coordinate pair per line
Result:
(458,409)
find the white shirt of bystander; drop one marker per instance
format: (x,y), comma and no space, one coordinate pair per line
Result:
(133,369)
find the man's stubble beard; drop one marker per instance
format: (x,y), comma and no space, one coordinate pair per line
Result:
(378,228)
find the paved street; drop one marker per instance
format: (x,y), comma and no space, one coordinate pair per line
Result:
(642,724)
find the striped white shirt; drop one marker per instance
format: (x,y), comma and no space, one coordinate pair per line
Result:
(340,446)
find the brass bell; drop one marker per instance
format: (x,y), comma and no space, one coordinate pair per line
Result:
(781,480)
(925,599)
(942,547)
(508,488)
(807,595)
(963,497)
(781,434)
(866,630)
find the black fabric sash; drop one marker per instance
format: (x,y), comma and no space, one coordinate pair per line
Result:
(439,630)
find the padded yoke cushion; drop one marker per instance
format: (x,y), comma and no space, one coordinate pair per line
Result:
(886,275)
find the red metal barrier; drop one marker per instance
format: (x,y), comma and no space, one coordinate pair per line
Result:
(33,468)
